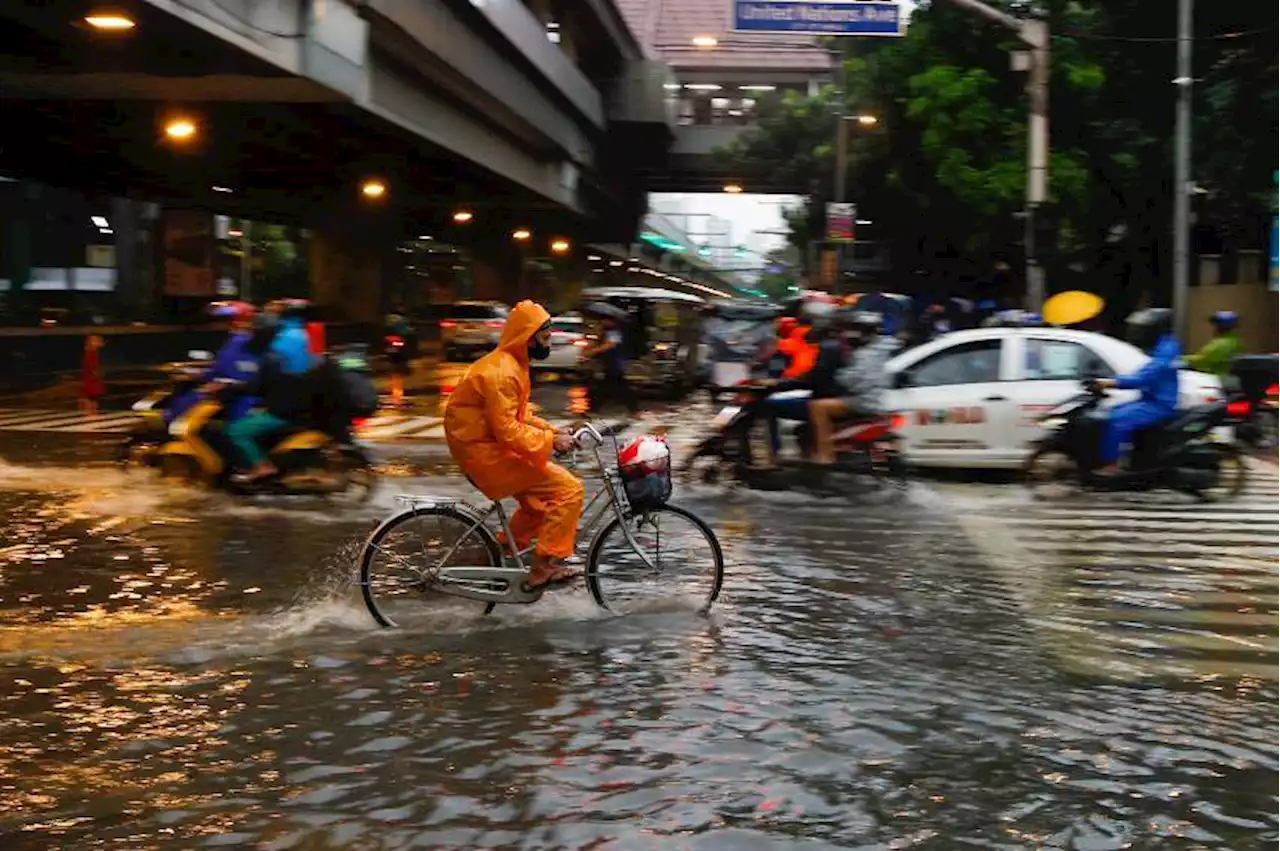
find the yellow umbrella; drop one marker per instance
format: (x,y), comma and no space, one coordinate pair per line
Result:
(1071,308)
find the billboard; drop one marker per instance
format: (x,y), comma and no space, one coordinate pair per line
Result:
(819,17)
(188,254)
(840,221)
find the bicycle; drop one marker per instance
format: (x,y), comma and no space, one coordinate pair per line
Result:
(490,574)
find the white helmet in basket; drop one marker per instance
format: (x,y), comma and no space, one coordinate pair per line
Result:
(644,455)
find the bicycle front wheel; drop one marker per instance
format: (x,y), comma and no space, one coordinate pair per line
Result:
(402,559)
(664,558)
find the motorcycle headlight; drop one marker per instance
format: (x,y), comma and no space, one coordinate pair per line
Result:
(1053,422)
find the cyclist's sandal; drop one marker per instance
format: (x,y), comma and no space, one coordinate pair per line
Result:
(563,576)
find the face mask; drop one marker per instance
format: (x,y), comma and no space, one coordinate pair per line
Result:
(538,352)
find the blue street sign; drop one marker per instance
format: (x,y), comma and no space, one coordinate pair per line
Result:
(828,17)
(1274,285)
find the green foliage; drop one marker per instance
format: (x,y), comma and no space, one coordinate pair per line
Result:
(943,173)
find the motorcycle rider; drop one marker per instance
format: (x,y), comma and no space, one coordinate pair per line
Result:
(829,355)
(506,451)
(1157,380)
(284,383)
(1216,355)
(863,381)
(233,362)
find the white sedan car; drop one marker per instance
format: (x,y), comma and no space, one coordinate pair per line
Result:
(972,398)
(568,339)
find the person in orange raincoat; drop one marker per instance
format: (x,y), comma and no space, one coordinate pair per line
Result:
(506,451)
(802,353)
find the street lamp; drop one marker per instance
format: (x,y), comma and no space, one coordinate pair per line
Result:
(462,217)
(867,120)
(560,246)
(733,188)
(373,189)
(109,21)
(180,129)
(521,234)
(705,41)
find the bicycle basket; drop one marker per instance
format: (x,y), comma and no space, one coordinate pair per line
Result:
(645,465)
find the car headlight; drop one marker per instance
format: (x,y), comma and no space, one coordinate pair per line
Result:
(1053,422)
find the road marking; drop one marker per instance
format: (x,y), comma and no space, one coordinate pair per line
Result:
(1120,589)
(108,424)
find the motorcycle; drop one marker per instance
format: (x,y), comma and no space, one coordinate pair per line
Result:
(1252,408)
(152,430)
(866,449)
(1181,454)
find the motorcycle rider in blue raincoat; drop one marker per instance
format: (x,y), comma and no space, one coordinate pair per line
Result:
(1157,381)
(234,362)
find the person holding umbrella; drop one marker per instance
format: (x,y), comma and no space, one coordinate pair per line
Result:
(611,353)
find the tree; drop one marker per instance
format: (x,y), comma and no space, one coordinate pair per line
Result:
(779,279)
(944,169)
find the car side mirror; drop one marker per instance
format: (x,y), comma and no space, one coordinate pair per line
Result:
(901,379)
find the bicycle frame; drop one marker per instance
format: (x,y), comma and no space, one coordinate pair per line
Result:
(504,583)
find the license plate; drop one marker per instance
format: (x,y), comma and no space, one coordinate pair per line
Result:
(724,417)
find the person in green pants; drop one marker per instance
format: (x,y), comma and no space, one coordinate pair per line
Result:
(1217,354)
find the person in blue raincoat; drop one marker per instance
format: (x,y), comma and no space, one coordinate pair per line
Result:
(235,362)
(284,384)
(1157,381)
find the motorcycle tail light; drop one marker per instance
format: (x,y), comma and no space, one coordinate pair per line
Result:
(1238,409)
(447,323)
(1273,389)
(898,422)
(359,422)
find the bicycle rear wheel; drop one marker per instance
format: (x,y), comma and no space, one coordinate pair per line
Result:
(682,562)
(400,561)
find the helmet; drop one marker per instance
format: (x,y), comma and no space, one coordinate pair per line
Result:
(232,310)
(1225,320)
(863,325)
(643,456)
(1145,327)
(296,308)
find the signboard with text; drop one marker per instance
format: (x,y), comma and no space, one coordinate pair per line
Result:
(840,221)
(824,17)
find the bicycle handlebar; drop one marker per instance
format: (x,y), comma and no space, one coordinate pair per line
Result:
(587,430)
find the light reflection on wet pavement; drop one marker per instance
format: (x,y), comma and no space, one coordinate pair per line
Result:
(184,671)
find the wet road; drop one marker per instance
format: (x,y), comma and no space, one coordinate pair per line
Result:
(184,671)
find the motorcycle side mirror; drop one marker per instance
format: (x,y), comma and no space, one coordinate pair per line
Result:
(199,354)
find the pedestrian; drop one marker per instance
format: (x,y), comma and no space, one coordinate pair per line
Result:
(398,347)
(91,386)
(611,354)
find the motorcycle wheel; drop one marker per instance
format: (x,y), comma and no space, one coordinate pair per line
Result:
(1051,473)
(1232,474)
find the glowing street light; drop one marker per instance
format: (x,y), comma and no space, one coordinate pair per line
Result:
(560,246)
(373,189)
(867,120)
(733,188)
(109,21)
(180,129)
(521,234)
(462,217)
(705,41)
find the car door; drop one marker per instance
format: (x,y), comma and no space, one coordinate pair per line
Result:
(1049,371)
(959,413)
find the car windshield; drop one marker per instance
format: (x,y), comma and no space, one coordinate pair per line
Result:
(477,311)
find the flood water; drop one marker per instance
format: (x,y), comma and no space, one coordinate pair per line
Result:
(182,671)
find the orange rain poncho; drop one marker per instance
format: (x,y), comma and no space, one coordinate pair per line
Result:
(803,354)
(504,449)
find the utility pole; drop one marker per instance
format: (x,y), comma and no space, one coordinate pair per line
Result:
(1035,34)
(842,157)
(1182,174)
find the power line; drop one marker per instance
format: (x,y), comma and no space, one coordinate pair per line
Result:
(1163,39)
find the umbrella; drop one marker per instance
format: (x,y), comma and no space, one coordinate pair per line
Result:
(604,310)
(1071,308)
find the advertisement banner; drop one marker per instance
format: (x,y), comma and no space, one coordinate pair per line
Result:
(819,17)
(840,221)
(188,254)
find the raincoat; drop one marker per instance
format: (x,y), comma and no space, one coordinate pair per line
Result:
(504,449)
(803,353)
(1158,383)
(1216,356)
(234,361)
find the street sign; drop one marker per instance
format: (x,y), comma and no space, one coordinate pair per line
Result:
(840,221)
(826,17)
(1275,253)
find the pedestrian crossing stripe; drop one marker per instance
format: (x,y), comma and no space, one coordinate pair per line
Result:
(1127,590)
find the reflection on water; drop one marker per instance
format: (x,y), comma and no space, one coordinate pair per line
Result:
(869,680)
